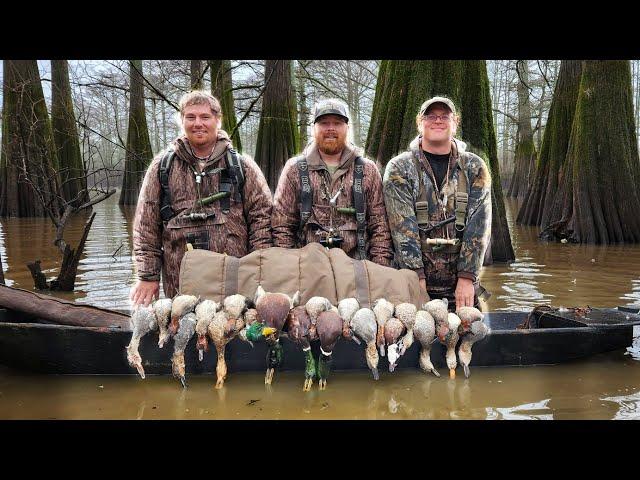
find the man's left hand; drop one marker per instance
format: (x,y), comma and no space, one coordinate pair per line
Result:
(465,292)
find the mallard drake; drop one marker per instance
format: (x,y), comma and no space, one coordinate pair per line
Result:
(329,329)
(273,309)
(186,329)
(142,321)
(182,304)
(297,327)
(424,330)
(471,330)
(250,316)
(383,310)
(364,327)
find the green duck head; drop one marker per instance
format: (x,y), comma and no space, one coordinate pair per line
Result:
(257,331)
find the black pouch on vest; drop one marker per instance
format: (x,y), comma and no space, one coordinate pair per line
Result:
(198,239)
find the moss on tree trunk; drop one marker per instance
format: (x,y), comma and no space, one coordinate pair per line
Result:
(597,200)
(221,88)
(139,153)
(277,133)
(525,154)
(536,207)
(29,180)
(65,135)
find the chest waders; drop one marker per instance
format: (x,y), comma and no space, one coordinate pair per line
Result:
(306,202)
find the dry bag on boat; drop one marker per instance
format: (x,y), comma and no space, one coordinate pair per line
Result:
(312,270)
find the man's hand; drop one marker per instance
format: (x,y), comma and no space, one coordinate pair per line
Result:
(143,292)
(464,293)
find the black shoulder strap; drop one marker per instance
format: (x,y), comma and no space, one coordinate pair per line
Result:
(306,194)
(232,175)
(359,204)
(166,212)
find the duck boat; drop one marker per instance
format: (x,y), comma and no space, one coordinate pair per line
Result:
(45,335)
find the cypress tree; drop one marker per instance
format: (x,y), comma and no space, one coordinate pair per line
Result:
(221,88)
(535,209)
(597,199)
(277,132)
(525,154)
(139,153)
(29,180)
(65,135)
(196,74)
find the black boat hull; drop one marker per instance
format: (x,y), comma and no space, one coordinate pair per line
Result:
(59,349)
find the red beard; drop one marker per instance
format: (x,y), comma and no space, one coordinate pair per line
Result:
(331,146)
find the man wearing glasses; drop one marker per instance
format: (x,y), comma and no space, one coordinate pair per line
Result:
(438,201)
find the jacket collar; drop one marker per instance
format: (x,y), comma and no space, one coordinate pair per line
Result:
(315,162)
(184,151)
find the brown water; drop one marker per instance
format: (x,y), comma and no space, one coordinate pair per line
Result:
(602,387)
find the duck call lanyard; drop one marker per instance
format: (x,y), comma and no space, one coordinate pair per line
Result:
(306,200)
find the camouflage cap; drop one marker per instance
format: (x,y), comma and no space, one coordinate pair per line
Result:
(330,106)
(448,103)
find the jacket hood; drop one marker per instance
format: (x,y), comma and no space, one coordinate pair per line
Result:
(185,152)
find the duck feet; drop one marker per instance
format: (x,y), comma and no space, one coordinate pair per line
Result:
(183,381)
(268,378)
(220,383)
(307,385)
(467,372)
(322,383)
(452,373)
(374,371)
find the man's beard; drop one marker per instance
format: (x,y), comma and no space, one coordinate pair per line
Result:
(329,147)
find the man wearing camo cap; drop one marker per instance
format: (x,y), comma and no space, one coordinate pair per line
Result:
(331,194)
(438,199)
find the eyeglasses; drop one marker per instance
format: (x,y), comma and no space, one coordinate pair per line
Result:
(432,118)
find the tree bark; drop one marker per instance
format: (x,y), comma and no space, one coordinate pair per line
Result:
(525,154)
(302,106)
(196,75)
(277,133)
(65,134)
(597,200)
(535,209)
(29,181)
(221,88)
(139,153)
(1,270)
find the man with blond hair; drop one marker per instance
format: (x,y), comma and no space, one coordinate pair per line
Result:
(438,200)
(331,194)
(197,191)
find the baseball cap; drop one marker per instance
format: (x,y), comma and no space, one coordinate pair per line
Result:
(330,106)
(425,106)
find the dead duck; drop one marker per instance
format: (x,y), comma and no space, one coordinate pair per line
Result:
(205,311)
(406,313)
(297,326)
(162,310)
(186,329)
(383,310)
(424,331)
(393,330)
(236,306)
(329,329)
(347,307)
(364,326)
(450,340)
(221,333)
(182,304)
(471,330)
(142,321)
(250,316)
(314,307)
(273,309)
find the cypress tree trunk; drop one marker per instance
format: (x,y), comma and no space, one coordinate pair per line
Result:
(536,208)
(302,107)
(525,155)
(479,133)
(277,133)
(139,153)
(1,270)
(597,201)
(221,88)
(29,181)
(65,135)
(196,75)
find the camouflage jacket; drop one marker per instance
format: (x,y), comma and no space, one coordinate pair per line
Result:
(401,191)
(285,221)
(160,246)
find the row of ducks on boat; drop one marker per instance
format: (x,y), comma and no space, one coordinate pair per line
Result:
(269,315)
